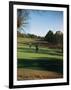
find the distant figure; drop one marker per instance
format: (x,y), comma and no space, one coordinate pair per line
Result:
(36,48)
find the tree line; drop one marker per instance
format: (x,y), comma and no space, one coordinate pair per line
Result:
(56,38)
(50,37)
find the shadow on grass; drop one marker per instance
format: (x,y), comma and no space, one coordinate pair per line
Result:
(41,64)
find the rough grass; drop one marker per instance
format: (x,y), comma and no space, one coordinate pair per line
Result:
(29,74)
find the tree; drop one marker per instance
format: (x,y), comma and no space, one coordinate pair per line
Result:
(58,37)
(49,37)
(22,18)
(36,48)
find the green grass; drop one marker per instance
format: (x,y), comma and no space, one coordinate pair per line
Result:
(37,55)
(24,52)
(45,59)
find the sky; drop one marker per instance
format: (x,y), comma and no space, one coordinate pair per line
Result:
(40,22)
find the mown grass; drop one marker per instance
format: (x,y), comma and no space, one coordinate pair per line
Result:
(46,59)
(25,52)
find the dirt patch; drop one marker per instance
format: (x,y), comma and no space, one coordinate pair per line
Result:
(29,74)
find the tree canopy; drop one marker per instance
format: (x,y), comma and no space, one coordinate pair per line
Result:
(49,36)
(22,18)
(56,38)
